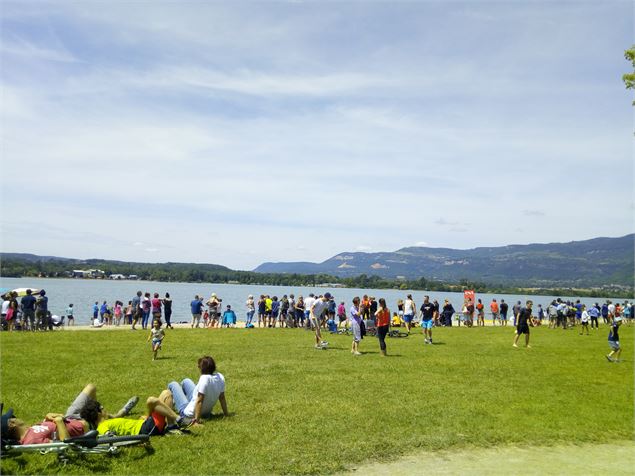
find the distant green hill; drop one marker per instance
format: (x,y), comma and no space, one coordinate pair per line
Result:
(595,262)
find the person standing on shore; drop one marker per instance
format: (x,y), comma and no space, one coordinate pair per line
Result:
(523,321)
(41,312)
(11,313)
(196,306)
(251,309)
(136,310)
(145,310)
(315,313)
(156,307)
(70,319)
(356,320)
(382,321)
(448,312)
(299,312)
(480,314)
(503,309)
(495,312)
(409,309)
(167,310)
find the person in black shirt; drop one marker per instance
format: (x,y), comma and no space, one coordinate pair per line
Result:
(503,310)
(522,324)
(167,309)
(28,310)
(614,341)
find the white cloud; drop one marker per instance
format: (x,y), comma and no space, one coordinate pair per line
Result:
(246,134)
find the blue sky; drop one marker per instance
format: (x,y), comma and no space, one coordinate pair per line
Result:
(242,132)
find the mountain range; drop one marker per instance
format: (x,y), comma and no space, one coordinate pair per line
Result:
(588,263)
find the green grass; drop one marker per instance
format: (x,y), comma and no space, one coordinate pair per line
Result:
(299,410)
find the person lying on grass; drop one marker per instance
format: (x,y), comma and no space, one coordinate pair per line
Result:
(65,426)
(197,401)
(159,416)
(89,394)
(54,426)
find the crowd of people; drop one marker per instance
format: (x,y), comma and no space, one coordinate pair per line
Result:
(319,313)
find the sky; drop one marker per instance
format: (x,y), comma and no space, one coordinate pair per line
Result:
(238,132)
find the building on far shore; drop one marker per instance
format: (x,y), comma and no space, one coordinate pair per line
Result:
(88,273)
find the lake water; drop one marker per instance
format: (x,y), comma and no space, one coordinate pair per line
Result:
(84,292)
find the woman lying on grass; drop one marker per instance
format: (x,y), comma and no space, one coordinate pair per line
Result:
(159,416)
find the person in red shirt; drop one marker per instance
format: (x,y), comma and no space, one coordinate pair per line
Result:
(382,321)
(54,426)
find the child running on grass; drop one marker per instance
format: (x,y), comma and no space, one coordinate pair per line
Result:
(614,341)
(157,335)
(584,320)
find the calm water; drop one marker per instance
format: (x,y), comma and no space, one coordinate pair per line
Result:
(84,292)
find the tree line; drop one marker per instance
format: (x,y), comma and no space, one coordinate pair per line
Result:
(209,273)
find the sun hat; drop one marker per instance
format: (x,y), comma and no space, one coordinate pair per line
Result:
(328,295)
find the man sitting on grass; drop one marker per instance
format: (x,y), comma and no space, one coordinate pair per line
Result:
(197,401)
(155,422)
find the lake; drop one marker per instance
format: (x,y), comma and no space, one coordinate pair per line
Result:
(84,292)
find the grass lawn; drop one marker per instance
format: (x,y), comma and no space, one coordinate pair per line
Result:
(300,410)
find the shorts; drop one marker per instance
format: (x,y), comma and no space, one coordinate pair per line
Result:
(80,402)
(70,318)
(154,425)
(426,324)
(522,329)
(408,318)
(156,341)
(614,344)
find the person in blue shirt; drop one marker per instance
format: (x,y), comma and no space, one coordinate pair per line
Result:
(229,317)
(594,313)
(605,313)
(197,309)
(578,311)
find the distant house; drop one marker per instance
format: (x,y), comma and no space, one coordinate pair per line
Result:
(116,276)
(133,276)
(88,273)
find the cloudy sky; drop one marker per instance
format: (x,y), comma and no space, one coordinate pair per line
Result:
(242,132)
